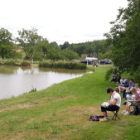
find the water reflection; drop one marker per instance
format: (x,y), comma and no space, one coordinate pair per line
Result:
(18,80)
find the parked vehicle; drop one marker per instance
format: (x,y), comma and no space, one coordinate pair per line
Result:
(85,61)
(105,61)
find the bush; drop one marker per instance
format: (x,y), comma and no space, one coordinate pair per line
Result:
(9,62)
(24,63)
(65,65)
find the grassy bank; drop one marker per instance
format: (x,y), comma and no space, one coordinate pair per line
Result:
(60,112)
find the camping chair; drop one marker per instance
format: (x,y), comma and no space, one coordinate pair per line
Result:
(115,115)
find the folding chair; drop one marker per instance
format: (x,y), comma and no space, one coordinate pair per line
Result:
(115,115)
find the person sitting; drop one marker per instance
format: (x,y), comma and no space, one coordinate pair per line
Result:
(134,102)
(137,87)
(131,81)
(114,103)
(113,78)
(118,88)
(126,82)
(118,77)
(122,81)
(131,84)
(124,86)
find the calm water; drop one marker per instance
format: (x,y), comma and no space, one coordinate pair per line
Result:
(15,81)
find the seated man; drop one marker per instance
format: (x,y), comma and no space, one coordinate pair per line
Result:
(134,102)
(114,103)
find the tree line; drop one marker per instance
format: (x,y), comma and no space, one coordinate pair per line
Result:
(37,47)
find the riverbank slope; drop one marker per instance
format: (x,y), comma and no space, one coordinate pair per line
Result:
(60,112)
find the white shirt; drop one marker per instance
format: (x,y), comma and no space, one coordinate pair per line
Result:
(117,96)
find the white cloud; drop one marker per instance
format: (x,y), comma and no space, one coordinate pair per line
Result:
(61,20)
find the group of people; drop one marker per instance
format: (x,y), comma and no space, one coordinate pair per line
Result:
(131,93)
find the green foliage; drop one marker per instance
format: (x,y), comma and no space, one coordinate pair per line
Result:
(70,54)
(112,72)
(65,45)
(9,62)
(6,44)
(38,57)
(25,63)
(42,47)
(57,54)
(54,54)
(83,56)
(28,39)
(18,55)
(54,45)
(106,55)
(92,48)
(65,65)
(124,35)
(33,90)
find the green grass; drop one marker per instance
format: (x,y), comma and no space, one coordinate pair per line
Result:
(60,112)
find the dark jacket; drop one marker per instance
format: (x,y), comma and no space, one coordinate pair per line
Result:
(126,83)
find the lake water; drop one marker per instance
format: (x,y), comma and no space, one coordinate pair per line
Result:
(15,81)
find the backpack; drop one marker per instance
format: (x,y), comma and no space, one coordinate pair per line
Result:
(95,117)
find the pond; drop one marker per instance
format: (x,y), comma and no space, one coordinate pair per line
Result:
(15,81)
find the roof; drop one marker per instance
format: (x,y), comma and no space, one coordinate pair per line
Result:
(91,58)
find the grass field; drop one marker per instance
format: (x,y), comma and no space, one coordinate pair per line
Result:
(60,112)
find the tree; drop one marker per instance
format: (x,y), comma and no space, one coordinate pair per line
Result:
(65,45)
(54,45)
(42,46)
(70,54)
(28,39)
(55,54)
(6,44)
(125,36)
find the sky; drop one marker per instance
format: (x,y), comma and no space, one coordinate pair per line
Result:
(74,21)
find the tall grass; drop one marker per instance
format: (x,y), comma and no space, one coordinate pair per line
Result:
(9,62)
(65,65)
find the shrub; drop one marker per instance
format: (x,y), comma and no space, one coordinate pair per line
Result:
(25,63)
(9,62)
(65,65)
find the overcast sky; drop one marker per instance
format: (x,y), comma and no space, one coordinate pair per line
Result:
(61,20)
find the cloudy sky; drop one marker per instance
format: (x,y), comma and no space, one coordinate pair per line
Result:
(60,20)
